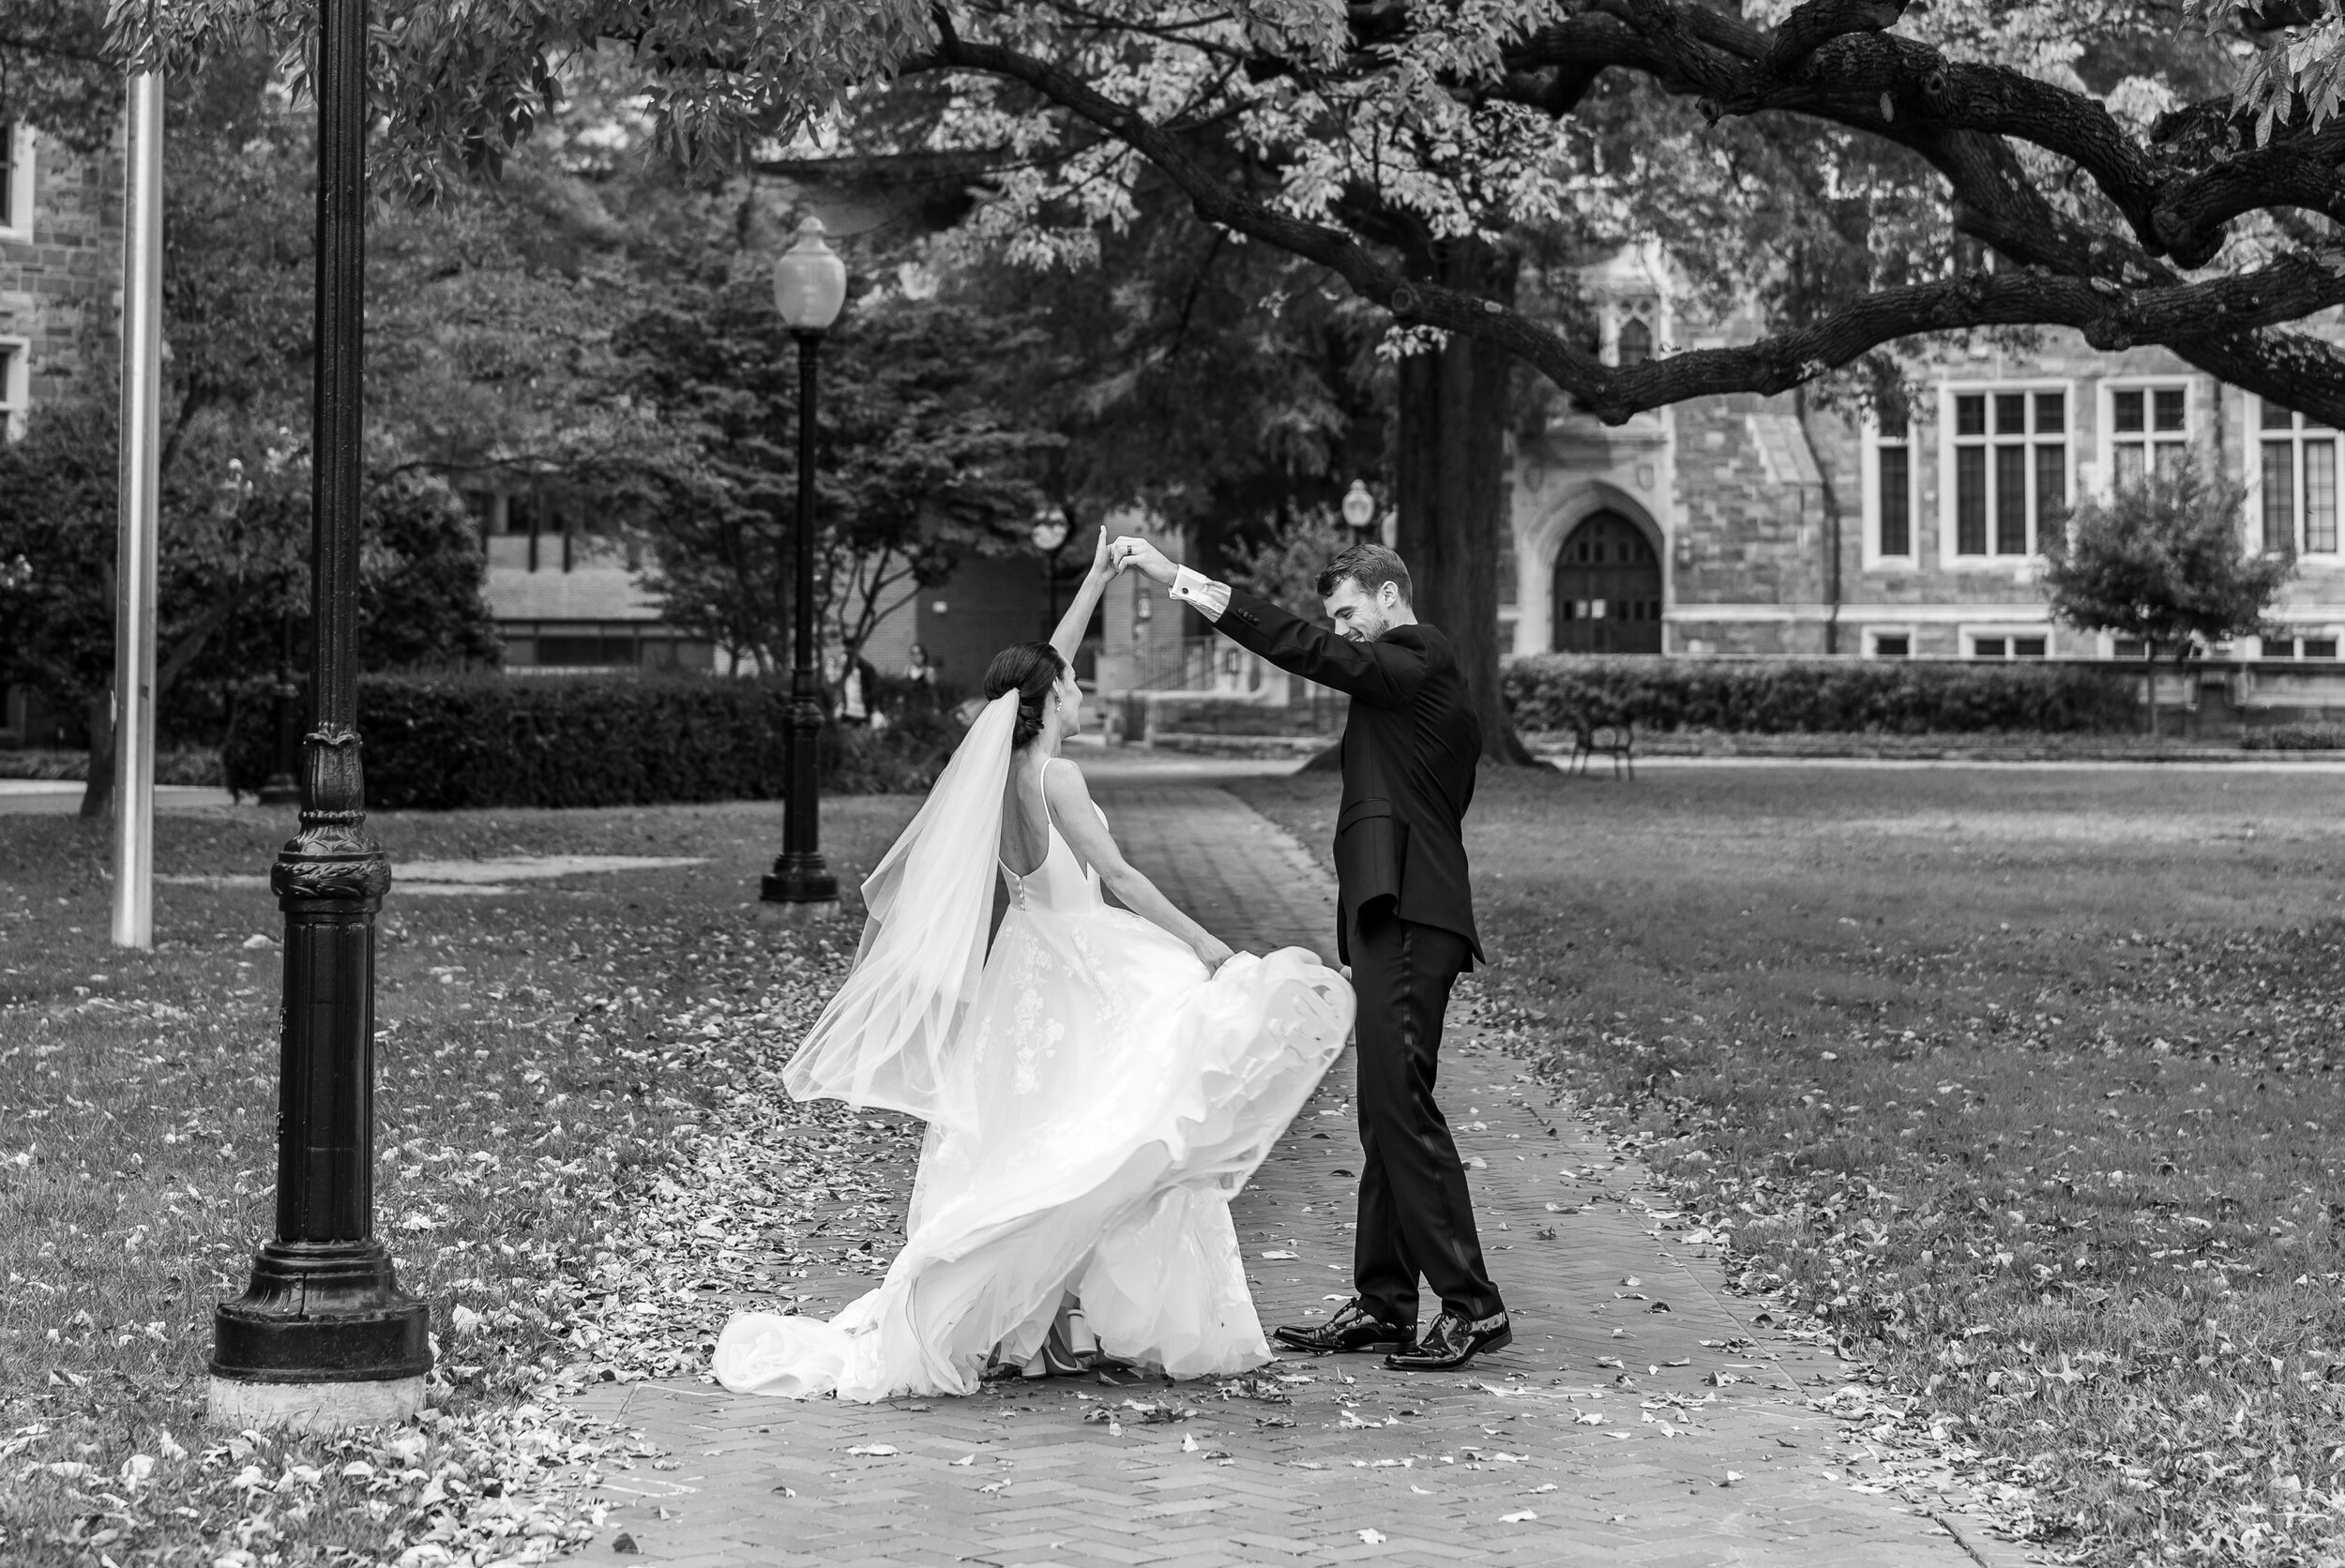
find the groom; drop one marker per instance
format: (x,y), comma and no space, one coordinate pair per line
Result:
(1404,924)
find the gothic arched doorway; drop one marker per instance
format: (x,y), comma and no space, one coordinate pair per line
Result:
(1608,589)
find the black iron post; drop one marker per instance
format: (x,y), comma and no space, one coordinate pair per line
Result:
(281,788)
(324,1336)
(799,876)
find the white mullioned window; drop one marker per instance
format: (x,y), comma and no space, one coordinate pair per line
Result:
(2007,460)
(16,182)
(2295,500)
(2007,642)
(15,382)
(2147,425)
(1890,487)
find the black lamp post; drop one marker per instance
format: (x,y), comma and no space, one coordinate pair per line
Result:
(323,1337)
(1050,537)
(809,286)
(1360,510)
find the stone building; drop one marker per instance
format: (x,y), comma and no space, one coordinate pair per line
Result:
(60,271)
(60,313)
(1766,525)
(566,596)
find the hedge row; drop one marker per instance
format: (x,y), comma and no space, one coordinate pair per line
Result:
(447,742)
(1553,692)
(2295,737)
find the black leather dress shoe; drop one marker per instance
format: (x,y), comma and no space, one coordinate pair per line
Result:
(1353,1328)
(1452,1341)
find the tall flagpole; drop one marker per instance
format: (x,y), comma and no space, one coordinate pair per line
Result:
(134,561)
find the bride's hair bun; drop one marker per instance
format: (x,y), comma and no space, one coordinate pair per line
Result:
(1030,670)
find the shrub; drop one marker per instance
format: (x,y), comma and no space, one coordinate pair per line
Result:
(175,766)
(1550,692)
(456,741)
(2295,737)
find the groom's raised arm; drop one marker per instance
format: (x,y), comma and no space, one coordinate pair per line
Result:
(1384,673)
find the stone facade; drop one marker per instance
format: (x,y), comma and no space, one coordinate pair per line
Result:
(60,318)
(60,271)
(1777,527)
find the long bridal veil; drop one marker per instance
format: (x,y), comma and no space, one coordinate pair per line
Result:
(885,1038)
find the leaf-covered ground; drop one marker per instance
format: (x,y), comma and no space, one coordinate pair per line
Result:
(551,1064)
(2025,1084)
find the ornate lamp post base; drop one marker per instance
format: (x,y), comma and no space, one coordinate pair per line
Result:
(798,880)
(314,1310)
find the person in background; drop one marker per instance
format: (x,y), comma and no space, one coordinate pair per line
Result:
(858,691)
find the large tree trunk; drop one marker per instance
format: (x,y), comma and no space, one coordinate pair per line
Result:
(1451,464)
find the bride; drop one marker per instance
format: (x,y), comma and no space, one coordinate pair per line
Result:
(1096,1088)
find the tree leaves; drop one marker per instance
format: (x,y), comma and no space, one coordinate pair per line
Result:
(2162,561)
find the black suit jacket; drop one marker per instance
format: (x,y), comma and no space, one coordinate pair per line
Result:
(1410,748)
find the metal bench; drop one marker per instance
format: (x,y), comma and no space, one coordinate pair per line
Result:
(1616,741)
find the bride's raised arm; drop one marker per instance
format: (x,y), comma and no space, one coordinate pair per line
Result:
(1071,626)
(1078,823)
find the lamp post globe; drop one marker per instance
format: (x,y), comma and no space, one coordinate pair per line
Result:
(810,279)
(1359,507)
(809,289)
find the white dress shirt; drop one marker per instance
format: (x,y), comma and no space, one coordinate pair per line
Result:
(1210,598)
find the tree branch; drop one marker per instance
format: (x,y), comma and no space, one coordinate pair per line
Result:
(191,642)
(1818,22)
(2219,319)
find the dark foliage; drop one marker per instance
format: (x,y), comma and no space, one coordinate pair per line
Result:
(2296,737)
(1552,692)
(473,740)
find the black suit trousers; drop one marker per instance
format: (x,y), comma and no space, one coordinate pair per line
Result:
(1416,1215)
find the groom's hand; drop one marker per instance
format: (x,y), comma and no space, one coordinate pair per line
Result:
(1146,559)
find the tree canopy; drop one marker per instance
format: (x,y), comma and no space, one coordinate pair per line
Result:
(916,466)
(2138,182)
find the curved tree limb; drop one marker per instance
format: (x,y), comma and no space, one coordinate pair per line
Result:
(2220,319)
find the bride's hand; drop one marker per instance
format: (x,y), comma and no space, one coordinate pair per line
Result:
(1103,556)
(1213,952)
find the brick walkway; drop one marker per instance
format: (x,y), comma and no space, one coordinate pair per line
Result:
(1613,1431)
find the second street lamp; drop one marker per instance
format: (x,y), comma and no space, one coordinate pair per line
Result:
(809,287)
(1050,537)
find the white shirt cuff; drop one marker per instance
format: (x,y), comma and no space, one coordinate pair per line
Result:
(1210,598)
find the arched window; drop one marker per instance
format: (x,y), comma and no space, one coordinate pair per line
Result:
(1636,341)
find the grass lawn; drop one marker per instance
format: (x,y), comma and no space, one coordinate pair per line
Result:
(554,1066)
(2023,1082)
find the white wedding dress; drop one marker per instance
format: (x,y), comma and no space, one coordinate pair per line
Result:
(1110,1099)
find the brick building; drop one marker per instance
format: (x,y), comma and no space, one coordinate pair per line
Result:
(1758,525)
